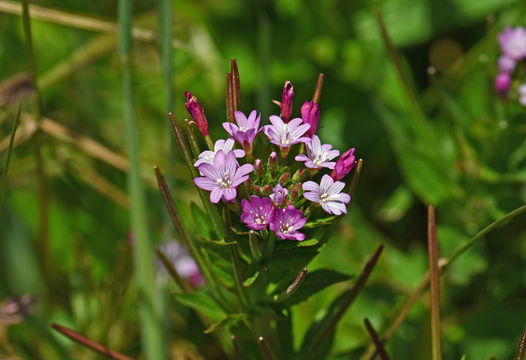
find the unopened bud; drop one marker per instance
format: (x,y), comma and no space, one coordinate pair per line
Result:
(294,194)
(310,114)
(257,189)
(258,165)
(298,175)
(502,83)
(197,113)
(284,179)
(344,165)
(267,189)
(286,101)
(250,185)
(273,161)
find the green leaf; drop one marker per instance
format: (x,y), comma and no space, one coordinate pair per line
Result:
(202,303)
(251,280)
(228,320)
(319,222)
(315,282)
(200,219)
(287,245)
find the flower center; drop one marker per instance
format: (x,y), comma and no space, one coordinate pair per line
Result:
(224,182)
(324,197)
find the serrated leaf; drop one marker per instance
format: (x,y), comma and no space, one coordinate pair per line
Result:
(228,320)
(202,303)
(315,282)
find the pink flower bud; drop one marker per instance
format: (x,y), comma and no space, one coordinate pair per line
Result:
(310,113)
(298,175)
(286,101)
(502,83)
(284,178)
(267,189)
(196,112)
(258,165)
(273,161)
(344,165)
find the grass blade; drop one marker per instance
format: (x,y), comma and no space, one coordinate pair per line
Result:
(73,335)
(521,349)
(376,340)
(150,303)
(434,277)
(8,159)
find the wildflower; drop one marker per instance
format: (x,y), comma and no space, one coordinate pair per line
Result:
(223,177)
(257,212)
(197,113)
(310,113)
(328,194)
(286,223)
(223,145)
(318,155)
(286,101)
(506,64)
(183,263)
(279,195)
(344,165)
(522,94)
(246,129)
(513,42)
(273,161)
(285,134)
(502,83)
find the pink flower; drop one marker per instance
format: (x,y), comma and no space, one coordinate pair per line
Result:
(246,129)
(279,195)
(318,155)
(502,83)
(506,64)
(285,134)
(328,194)
(286,223)
(257,212)
(224,145)
(522,94)
(310,113)
(197,113)
(183,263)
(223,177)
(513,42)
(344,165)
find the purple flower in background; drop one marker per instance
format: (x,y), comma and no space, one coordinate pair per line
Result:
(506,64)
(318,155)
(513,42)
(246,129)
(279,195)
(286,223)
(285,134)
(522,94)
(286,101)
(344,165)
(223,177)
(196,112)
(328,194)
(310,113)
(502,83)
(223,145)
(183,263)
(257,212)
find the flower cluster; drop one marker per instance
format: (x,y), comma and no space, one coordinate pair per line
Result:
(513,46)
(279,194)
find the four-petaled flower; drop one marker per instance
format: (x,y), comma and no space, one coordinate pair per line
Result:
(257,212)
(513,42)
(279,195)
(328,194)
(223,177)
(223,145)
(286,223)
(246,129)
(318,155)
(286,134)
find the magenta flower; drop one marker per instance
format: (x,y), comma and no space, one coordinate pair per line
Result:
(513,42)
(344,165)
(223,177)
(286,134)
(318,155)
(502,83)
(286,101)
(506,64)
(279,195)
(286,223)
(328,194)
(223,145)
(257,212)
(246,129)
(197,113)
(310,113)
(522,94)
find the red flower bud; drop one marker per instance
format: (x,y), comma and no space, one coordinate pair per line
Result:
(196,112)
(286,101)
(344,164)
(310,113)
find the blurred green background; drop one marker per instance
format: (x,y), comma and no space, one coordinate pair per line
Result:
(442,137)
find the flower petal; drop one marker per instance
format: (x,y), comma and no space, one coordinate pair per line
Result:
(216,195)
(205,183)
(310,186)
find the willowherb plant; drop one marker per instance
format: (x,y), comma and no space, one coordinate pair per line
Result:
(272,197)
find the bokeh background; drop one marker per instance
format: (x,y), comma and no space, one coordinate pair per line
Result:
(437,135)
